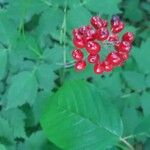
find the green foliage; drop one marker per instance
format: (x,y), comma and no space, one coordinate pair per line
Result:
(83,110)
(23,89)
(68,112)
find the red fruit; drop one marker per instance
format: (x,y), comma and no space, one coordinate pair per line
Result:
(89,35)
(123,56)
(113,38)
(123,46)
(114,20)
(114,59)
(128,36)
(98,69)
(83,29)
(77,54)
(96,22)
(102,34)
(93,59)
(107,66)
(105,23)
(80,65)
(92,47)
(118,28)
(78,43)
(75,31)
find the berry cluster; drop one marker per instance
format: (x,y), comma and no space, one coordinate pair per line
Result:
(92,37)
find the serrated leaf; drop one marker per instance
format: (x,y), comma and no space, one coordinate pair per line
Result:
(141,56)
(53,55)
(2,147)
(145,101)
(143,127)
(137,14)
(108,82)
(130,119)
(41,100)
(15,118)
(49,25)
(76,19)
(99,7)
(6,132)
(134,80)
(20,11)
(68,112)
(23,89)
(3,63)
(45,76)
(7,31)
(37,141)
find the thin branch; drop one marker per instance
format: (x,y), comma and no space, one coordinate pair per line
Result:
(127,144)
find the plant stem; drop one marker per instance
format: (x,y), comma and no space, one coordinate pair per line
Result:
(127,144)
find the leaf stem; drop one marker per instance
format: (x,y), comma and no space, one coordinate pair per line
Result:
(127,144)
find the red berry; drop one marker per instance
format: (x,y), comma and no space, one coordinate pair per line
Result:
(123,56)
(128,36)
(83,29)
(98,69)
(113,38)
(114,59)
(102,34)
(115,19)
(75,31)
(78,43)
(123,46)
(89,35)
(96,21)
(93,59)
(80,65)
(77,54)
(107,66)
(118,28)
(104,23)
(92,47)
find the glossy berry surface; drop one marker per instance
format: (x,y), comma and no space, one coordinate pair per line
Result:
(98,69)
(93,59)
(93,47)
(77,54)
(128,36)
(102,34)
(97,36)
(78,43)
(80,65)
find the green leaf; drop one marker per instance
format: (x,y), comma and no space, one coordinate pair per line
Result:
(68,112)
(6,132)
(37,141)
(48,24)
(45,76)
(53,55)
(41,100)
(130,119)
(15,118)
(108,82)
(147,80)
(23,89)
(143,127)
(20,11)
(134,80)
(145,101)
(2,147)
(106,7)
(3,63)
(76,19)
(8,31)
(137,14)
(141,56)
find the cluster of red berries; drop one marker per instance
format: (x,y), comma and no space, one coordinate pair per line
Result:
(92,37)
